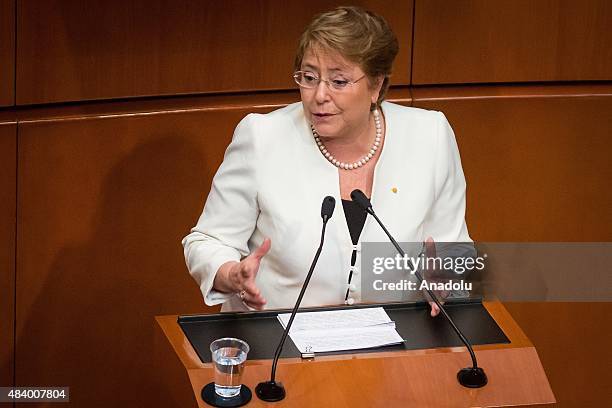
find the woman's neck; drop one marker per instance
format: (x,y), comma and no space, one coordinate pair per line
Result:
(355,144)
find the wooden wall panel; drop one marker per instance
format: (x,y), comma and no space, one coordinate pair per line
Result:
(537,169)
(104,203)
(469,41)
(7,52)
(8,168)
(73,50)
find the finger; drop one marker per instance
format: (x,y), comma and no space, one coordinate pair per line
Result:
(251,263)
(251,293)
(239,275)
(254,301)
(435,310)
(244,272)
(262,249)
(248,269)
(430,248)
(250,288)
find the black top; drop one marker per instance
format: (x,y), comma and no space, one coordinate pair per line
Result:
(355,218)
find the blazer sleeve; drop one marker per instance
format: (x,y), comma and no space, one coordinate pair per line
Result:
(230,214)
(446,219)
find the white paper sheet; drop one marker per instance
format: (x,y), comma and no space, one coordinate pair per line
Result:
(336,319)
(340,330)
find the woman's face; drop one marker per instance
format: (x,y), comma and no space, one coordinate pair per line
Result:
(337,113)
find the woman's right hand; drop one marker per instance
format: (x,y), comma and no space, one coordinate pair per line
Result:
(239,277)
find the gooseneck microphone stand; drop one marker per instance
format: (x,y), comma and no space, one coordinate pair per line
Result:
(271,390)
(471,377)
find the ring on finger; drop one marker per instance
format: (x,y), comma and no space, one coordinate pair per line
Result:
(242,294)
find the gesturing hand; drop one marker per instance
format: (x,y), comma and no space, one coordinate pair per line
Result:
(239,277)
(431,275)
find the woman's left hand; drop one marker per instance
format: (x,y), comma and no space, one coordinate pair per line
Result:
(430,252)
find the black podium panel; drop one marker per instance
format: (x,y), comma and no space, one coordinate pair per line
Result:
(262,330)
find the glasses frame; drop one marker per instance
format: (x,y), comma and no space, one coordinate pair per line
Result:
(328,82)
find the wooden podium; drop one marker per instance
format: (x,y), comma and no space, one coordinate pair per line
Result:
(404,378)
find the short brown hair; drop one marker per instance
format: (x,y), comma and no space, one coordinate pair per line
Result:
(358,35)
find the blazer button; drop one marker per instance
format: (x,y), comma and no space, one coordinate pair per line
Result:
(350,301)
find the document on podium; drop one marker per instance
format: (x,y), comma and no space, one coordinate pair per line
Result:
(341,330)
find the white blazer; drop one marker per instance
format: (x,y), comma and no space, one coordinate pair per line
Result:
(271,184)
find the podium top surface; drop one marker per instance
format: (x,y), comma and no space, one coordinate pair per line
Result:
(262,330)
(352,379)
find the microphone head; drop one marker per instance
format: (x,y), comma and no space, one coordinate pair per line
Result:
(327,208)
(360,198)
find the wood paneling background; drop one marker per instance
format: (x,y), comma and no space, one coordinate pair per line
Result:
(105,190)
(8,159)
(7,52)
(104,256)
(74,50)
(538,167)
(468,41)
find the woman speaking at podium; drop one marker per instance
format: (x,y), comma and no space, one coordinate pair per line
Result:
(261,224)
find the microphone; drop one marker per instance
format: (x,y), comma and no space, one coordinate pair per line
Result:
(362,200)
(327,208)
(471,377)
(272,391)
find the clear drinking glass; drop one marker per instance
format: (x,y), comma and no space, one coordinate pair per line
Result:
(228,356)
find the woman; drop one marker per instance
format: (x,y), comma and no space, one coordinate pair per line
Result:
(260,227)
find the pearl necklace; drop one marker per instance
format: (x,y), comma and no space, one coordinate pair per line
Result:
(358,163)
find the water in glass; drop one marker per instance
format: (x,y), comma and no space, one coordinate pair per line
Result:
(229,364)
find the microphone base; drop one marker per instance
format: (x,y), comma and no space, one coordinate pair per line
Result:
(270,391)
(472,377)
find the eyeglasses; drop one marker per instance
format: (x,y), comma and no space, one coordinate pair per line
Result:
(309,80)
